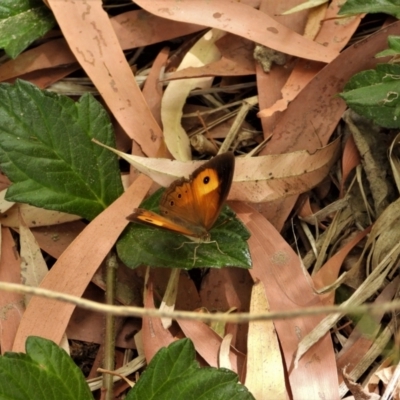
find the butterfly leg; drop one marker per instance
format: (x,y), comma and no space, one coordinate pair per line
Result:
(194,255)
(214,241)
(177,248)
(195,250)
(197,246)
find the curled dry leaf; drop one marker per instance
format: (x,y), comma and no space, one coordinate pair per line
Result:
(236,60)
(224,361)
(175,95)
(387,375)
(357,390)
(257,179)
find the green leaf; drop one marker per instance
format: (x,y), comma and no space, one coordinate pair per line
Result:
(44,372)
(21,23)
(375,94)
(141,244)
(394,47)
(46,151)
(173,373)
(391,7)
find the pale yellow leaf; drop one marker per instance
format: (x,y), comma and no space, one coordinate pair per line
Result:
(169,299)
(265,376)
(176,93)
(305,6)
(34,216)
(33,265)
(4,204)
(224,352)
(257,179)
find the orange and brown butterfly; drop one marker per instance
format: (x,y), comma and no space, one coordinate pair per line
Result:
(191,206)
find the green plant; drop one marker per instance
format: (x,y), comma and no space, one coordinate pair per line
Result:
(47,372)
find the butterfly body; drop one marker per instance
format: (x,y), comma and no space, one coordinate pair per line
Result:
(191,206)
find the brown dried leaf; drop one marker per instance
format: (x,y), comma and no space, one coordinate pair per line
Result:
(253,25)
(11,304)
(92,39)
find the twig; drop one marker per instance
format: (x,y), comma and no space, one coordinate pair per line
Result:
(238,318)
(109,345)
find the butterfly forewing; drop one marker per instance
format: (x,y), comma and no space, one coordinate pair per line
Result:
(209,192)
(197,201)
(217,176)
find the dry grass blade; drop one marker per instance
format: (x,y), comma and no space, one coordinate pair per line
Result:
(395,160)
(370,285)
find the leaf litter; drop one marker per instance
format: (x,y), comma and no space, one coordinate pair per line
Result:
(319,199)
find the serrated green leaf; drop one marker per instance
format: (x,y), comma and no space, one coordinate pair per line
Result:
(375,94)
(394,47)
(44,372)
(21,23)
(173,373)
(46,151)
(391,7)
(141,244)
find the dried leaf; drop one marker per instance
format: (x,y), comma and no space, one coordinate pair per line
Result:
(33,265)
(34,216)
(394,158)
(265,376)
(93,41)
(253,26)
(256,179)
(175,95)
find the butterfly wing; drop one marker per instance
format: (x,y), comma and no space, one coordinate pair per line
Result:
(195,203)
(150,218)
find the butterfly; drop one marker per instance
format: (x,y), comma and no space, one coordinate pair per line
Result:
(191,206)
